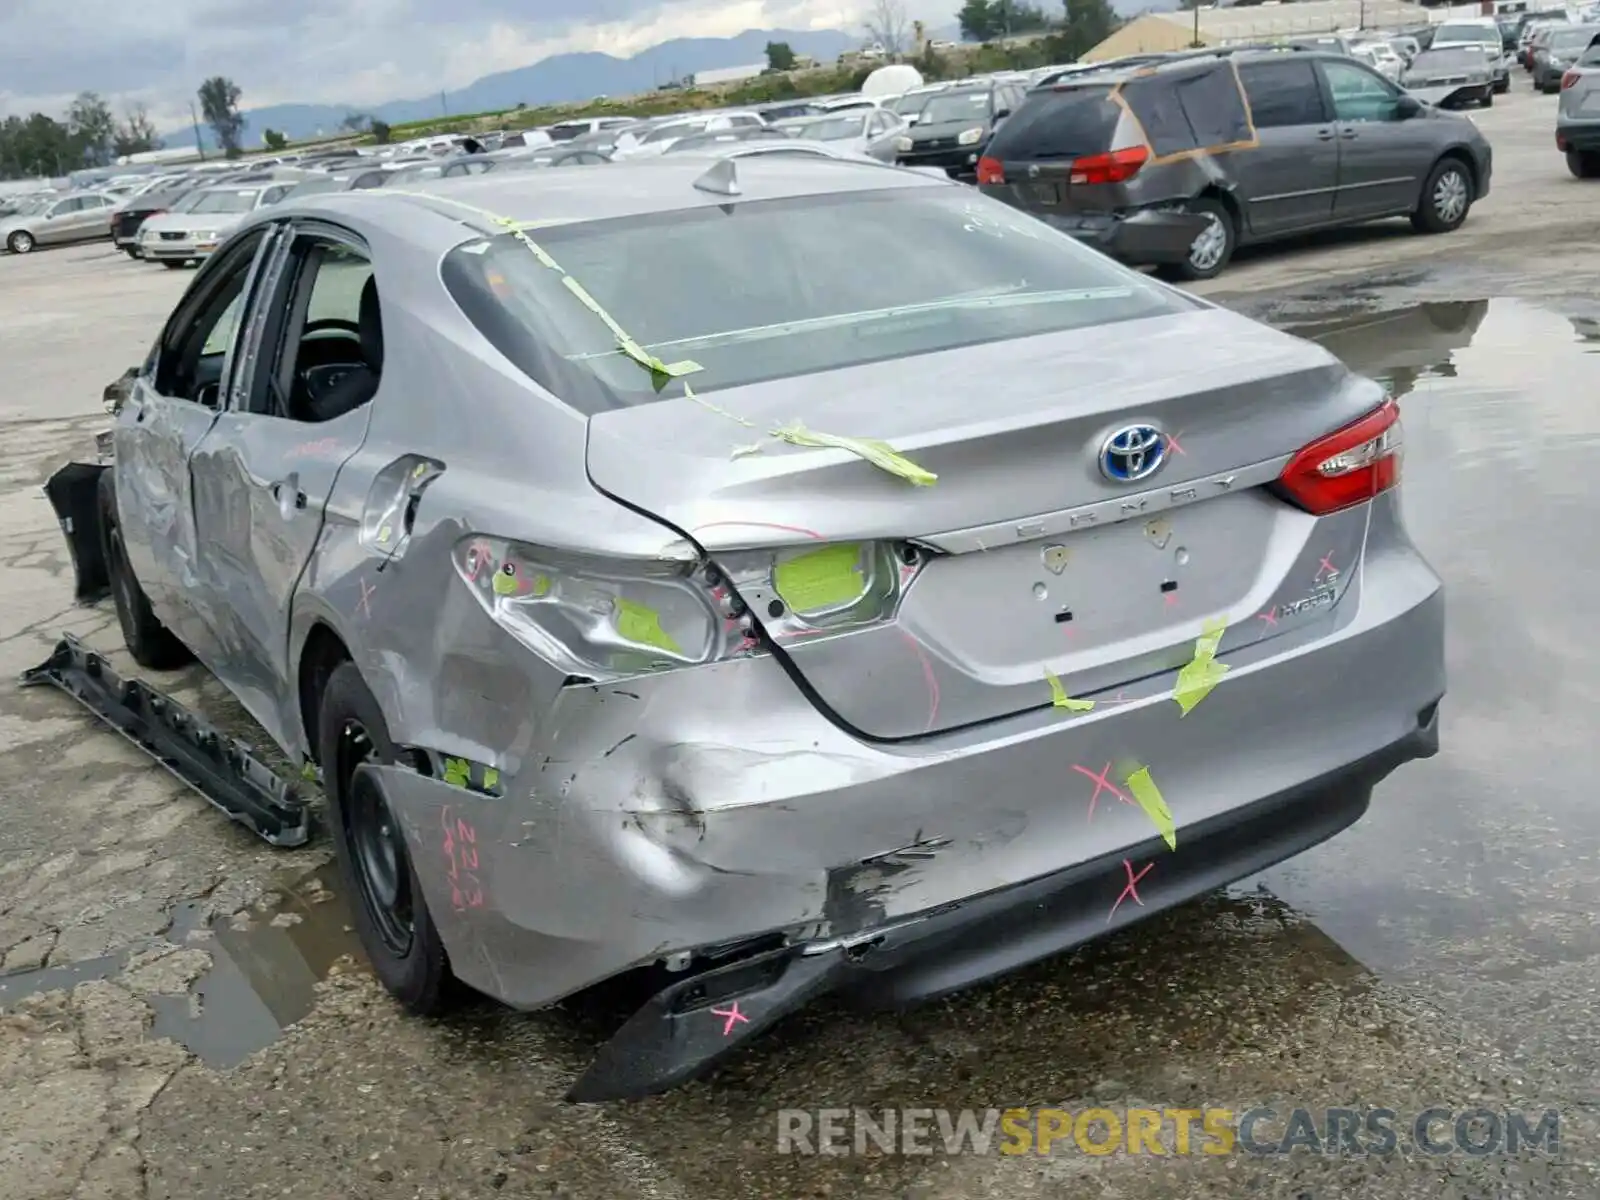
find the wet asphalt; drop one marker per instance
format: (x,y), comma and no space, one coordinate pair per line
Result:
(182,1017)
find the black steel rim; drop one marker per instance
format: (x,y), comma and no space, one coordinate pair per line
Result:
(377,846)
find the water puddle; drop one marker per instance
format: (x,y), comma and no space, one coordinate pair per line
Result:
(265,965)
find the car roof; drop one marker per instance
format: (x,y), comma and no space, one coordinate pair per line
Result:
(627,189)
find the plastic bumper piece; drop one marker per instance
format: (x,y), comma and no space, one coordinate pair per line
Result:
(689,1026)
(222,769)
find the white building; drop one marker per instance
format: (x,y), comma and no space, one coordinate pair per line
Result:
(727,75)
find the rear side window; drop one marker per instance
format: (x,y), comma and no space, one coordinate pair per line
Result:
(1283,94)
(773,289)
(1591,56)
(1058,123)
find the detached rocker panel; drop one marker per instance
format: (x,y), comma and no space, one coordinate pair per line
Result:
(222,769)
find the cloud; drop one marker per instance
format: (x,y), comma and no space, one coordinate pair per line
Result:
(357,52)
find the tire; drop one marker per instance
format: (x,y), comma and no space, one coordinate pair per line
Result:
(1216,257)
(172,264)
(150,642)
(1446,198)
(1488,99)
(1584,164)
(20,242)
(406,952)
(131,251)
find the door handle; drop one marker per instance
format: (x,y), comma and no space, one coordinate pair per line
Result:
(287,487)
(1349,133)
(1325,135)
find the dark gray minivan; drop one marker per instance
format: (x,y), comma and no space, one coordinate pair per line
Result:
(1175,164)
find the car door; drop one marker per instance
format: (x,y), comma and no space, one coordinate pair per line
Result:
(1288,182)
(263,472)
(171,404)
(95,218)
(1382,156)
(57,224)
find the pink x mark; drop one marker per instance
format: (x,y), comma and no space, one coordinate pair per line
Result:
(1270,616)
(365,604)
(1327,565)
(733,1017)
(1172,440)
(1133,887)
(1101,784)
(1169,599)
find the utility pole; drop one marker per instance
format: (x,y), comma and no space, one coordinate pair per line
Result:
(195,121)
(1197,42)
(444,105)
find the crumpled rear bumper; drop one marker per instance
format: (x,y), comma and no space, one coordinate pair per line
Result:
(1143,237)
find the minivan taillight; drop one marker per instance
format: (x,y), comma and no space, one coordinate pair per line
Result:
(990,170)
(1568,79)
(1118,166)
(1347,467)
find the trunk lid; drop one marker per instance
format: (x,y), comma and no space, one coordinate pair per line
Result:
(1022,526)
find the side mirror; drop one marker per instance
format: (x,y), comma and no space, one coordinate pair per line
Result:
(999,113)
(1408,107)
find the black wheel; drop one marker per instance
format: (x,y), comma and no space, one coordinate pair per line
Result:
(1212,247)
(391,915)
(1584,164)
(1446,198)
(1488,99)
(150,642)
(20,242)
(172,264)
(131,251)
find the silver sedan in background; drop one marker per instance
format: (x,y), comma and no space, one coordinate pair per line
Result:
(81,217)
(869,131)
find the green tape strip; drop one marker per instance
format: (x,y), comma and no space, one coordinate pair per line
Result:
(1149,796)
(642,624)
(1202,672)
(880,454)
(1059,697)
(824,578)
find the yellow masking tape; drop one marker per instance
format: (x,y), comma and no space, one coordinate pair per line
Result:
(880,454)
(518,583)
(490,778)
(746,451)
(689,394)
(1059,697)
(642,624)
(1202,672)
(457,771)
(1149,796)
(824,578)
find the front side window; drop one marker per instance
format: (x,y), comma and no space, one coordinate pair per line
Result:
(773,289)
(1282,94)
(1359,94)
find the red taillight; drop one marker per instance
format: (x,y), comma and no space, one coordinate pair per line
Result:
(1568,79)
(990,170)
(1116,167)
(1349,466)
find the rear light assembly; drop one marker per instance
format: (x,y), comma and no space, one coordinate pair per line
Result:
(990,170)
(603,620)
(1569,78)
(1117,166)
(1347,467)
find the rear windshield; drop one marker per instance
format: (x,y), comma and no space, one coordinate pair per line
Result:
(1466,33)
(1570,39)
(668,132)
(831,129)
(773,289)
(1063,122)
(225,202)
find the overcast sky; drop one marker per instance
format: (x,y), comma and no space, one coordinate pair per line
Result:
(348,51)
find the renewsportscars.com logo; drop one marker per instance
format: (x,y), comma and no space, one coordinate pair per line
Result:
(1167,1132)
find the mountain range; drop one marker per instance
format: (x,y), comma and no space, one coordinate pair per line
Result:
(570,78)
(564,78)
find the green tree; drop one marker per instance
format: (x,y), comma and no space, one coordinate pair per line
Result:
(92,128)
(136,133)
(379,131)
(779,56)
(35,146)
(356,122)
(219,105)
(1021,18)
(1088,23)
(976,19)
(273,140)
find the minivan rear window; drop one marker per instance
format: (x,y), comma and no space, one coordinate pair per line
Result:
(773,289)
(1060,122)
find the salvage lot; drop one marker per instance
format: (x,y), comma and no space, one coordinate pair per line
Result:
(1436,954)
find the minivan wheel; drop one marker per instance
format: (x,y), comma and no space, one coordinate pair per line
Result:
(1584,164)
(1212,247)
(1446,198)
(20,242)
(390,913)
